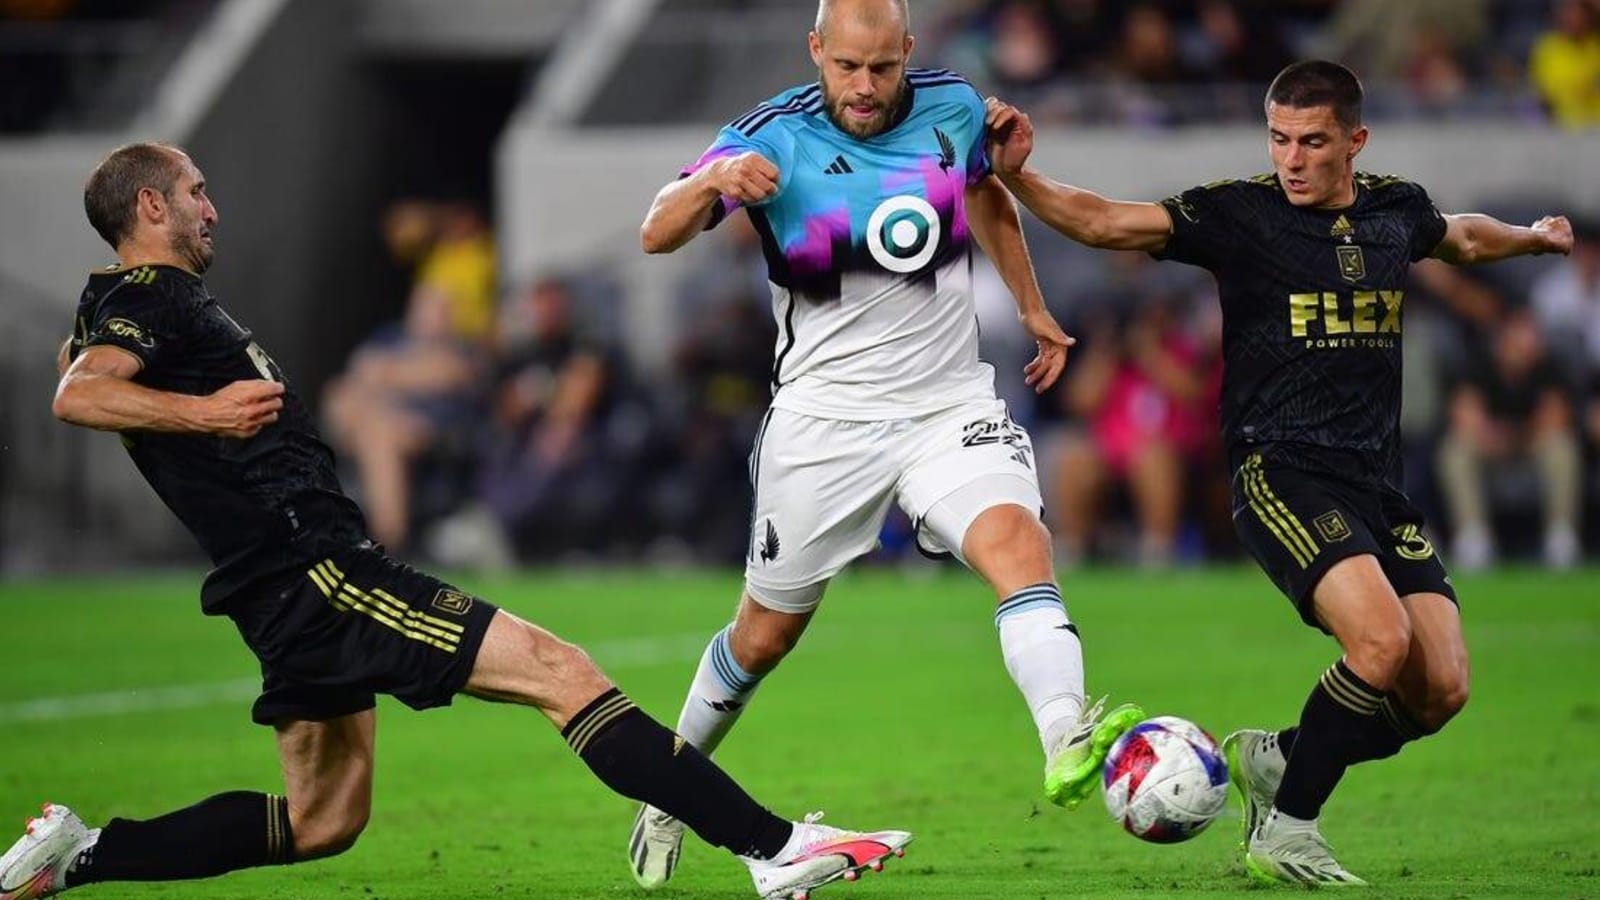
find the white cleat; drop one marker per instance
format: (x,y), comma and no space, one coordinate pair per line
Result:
(1281,854)
(654,846)
(817,854)
(36,865)
(1255,766)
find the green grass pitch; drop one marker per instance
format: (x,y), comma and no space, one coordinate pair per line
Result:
(895,712)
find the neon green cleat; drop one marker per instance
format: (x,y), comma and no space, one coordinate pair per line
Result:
(1072,773)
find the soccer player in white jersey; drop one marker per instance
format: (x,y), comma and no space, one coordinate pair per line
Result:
(867,189)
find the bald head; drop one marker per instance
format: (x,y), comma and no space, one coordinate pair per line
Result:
(872,14)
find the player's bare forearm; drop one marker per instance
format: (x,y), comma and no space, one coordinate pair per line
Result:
(992,213)
(109,403)
(1089,218)
(63,357)
(1477,238)
(681,210)
(96,392)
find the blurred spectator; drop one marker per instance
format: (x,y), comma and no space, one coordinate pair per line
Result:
(453,251)
(1566,300)
(1435,74)
(1023,51)
(549,397)
(1511,404)
(408,389)
(1240,48)
(1148,393)
(1149,48)
(723,369)
(1565,64)
(1381,39)
(1148,87)
(732,267)
(1009,45)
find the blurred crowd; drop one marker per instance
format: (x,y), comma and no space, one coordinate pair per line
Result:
(489,428)
(1117,62)
(485,429)
(1173,62)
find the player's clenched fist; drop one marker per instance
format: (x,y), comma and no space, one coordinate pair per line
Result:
(1557,234)
(243,408)
(1010,136)
(747,178)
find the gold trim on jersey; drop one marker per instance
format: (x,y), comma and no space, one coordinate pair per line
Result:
(385,609)
(118,268)
(1277,517)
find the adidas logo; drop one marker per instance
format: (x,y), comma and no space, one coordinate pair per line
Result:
(1342,228)
(840,166)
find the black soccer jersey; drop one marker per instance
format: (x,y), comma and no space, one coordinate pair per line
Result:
(258,506)
(1312,304)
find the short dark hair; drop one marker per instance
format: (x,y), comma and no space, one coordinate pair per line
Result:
(112,191)
(1317,82)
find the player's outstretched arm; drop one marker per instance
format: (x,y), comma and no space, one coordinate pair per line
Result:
(1476,238)
(683,208)
(1084,216)
(992,213)
(96,393)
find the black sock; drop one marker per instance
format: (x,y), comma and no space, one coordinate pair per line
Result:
(1392,728)
(1333,726)
(236,830)
(638,757)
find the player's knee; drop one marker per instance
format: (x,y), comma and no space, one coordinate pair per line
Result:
(330,832)
(1378,655)
(759,650)
(1007,536)
(566,662)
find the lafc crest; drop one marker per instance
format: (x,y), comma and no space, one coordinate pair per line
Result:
(1351,263)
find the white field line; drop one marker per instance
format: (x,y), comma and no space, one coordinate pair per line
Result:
(618,654)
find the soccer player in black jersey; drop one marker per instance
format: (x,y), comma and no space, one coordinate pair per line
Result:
(224,440)
(1311,261)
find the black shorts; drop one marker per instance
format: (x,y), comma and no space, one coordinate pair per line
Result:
(355,625)
(1298,523)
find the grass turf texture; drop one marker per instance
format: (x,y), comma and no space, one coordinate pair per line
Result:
(895,712)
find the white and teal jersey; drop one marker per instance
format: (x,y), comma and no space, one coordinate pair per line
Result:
(868,250)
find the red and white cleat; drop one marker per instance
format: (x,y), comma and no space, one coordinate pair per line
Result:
(36,865)
(817,854)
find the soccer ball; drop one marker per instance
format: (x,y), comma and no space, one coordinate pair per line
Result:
(1165,780)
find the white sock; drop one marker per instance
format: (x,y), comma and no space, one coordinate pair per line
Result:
(1045,659)
(717,696)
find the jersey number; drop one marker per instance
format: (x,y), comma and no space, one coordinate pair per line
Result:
(262,361)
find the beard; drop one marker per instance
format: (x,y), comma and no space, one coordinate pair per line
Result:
(190,247)
(885,110)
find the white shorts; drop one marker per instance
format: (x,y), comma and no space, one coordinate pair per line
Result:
(823,488)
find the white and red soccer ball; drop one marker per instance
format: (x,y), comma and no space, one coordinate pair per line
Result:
(1165,780)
